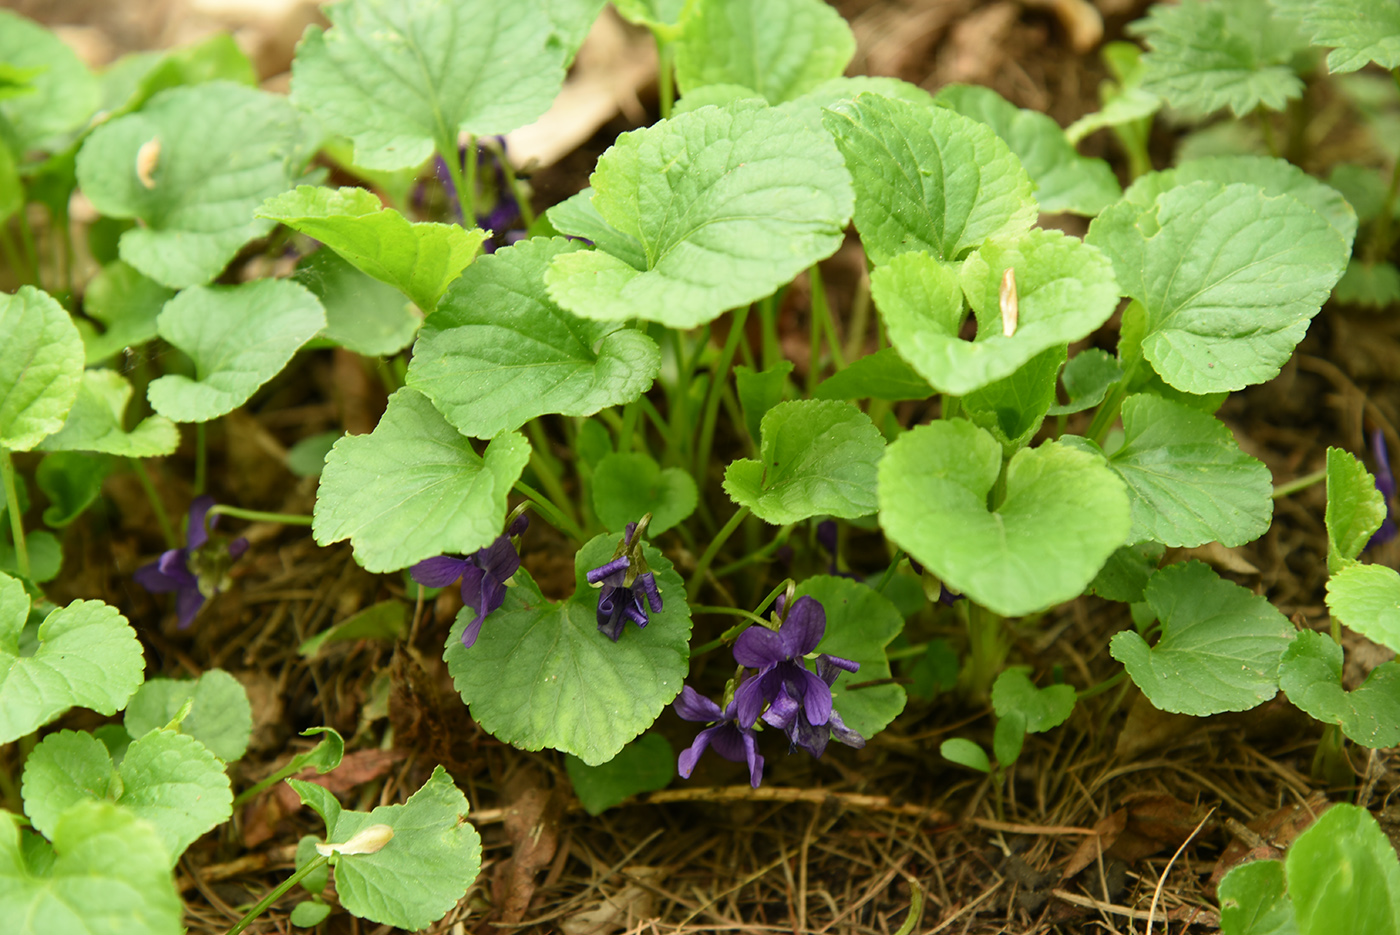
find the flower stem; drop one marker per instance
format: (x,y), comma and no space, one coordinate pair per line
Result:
(768,315)
(697,578)
(257,516)
(1108,410)
(822,306)
(549,477)
(291,881)
(1299,483)
(552,513)
(157,507)
(201,456)
(1103,686)
(522,197)
(1266,128)
(26,238)
(986,651)
(7,472)
(7,244)
(889,572)
(717,382)
(665,75)
(466,187)
(757,555)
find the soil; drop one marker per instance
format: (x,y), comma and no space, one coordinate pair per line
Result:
(1124,813)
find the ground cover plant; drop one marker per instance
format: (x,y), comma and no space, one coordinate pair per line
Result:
(1023,415)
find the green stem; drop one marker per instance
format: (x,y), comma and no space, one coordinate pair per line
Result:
(7,472)
(952,406)
(1103,686)
(552,513)
(522,197)
(757,555)
(257,516)
(1382,239)
(1266,128)
(553,485)
(157,507)
(768,316)
(720,377)
(821,306)
(731,611)
(466,187)
(986,650)
(26,239)
(1300,483)
(630,413)
(889,572)
(291,881)
(12,257)
(665,75)
(697,577)
(386,375)
(1107,412)
(201,456)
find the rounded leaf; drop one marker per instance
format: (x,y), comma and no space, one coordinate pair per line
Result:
(41,367)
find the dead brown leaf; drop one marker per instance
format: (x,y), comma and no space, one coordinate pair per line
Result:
(532,825)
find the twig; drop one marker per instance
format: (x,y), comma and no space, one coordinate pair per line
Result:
(968,908)
(1088,902)
(1157,893)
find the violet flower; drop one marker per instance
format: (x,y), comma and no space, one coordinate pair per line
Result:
(484,574)
(196,572)
(1385,483)
(790,717)
(945,597)
(724,735)
(628,585)
(492,187)
(827,539)
(778,657)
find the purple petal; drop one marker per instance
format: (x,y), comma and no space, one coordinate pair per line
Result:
(439,571)
(237,547)
(597,575)
(839,662)
(499,558)
(472,578)
(816,699)
(728,741)
(755,760)
(826,535)
(517,528)
(633,610)
(685,764)
(841,732)
(810,737)
(648,585)
(473,630)
(749,699)
(1385,480)
(693,706)
(781,712)
(803,628)
(195,533)
(156,581)
(631,528)
(757,647)
(493,594)
(187,604)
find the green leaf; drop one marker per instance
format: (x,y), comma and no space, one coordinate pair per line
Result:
(41,367)
(61,93)
(45,555)
(817,457)
(1008,738)
(1065,291)
(132,80)
(96,422)
(1259,269)
(1042,708)
(400,78)
(498,352)
(780,48)
(1371,285)
(1344,868)
(71,480)
(572,20)
(1355,508)
(126,303)
(1063,514)
(107,874)
(317,878)
(420,260)
(239,337)
(965,753)
(1064,180)
(578,217)
(307,457)
(1220,644)
(1126,106)
(1274,176)
(644,765)
(414,488)
(171,780)
(421,873)
(728,206)
(382,621)
(1013,408)
(1188,481)
(1253,901)
(362,313)
(760,391)
(928,179)
(88,656)
(881,375)
(309,914)
(323,757)
(627,486)
(1357,31)
(11,188)
(1125,575)
(1310,673)
(541,675)
(860,624)
(1366,598)
(214,152)
(1204,56)
(1086,379)
(220,716)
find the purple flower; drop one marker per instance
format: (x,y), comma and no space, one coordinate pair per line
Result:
(945,597)
(826,538)
(196,572)
(484,574)
(790,717)
(724,735)
(778,657)
(628,585)
(1385,483)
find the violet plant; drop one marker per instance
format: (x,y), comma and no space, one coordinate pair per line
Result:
(584,371)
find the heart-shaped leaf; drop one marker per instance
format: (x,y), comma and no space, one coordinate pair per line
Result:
(1042,708)
(728,205)
(1086,379)
(107,872)
(817,456)
(400,77)
(1220,644)
(498,352)
(1366,598)
(420,260)
(126,302)
(60,93)
(928,179)
(1310,674)
(96,422)
(1253,901)
(88,657)
(1065,291)
(362,314)
(220,716)
(542,675)
(192,166)
(1063,514)
(239,337)
(644,765)
(627,486)
(881,375)
(760,391)
(1188,481)
(414,488)
(71,480)
(423,870)
(41,367)
(1259,269)
(1355,508)
(1013,408)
